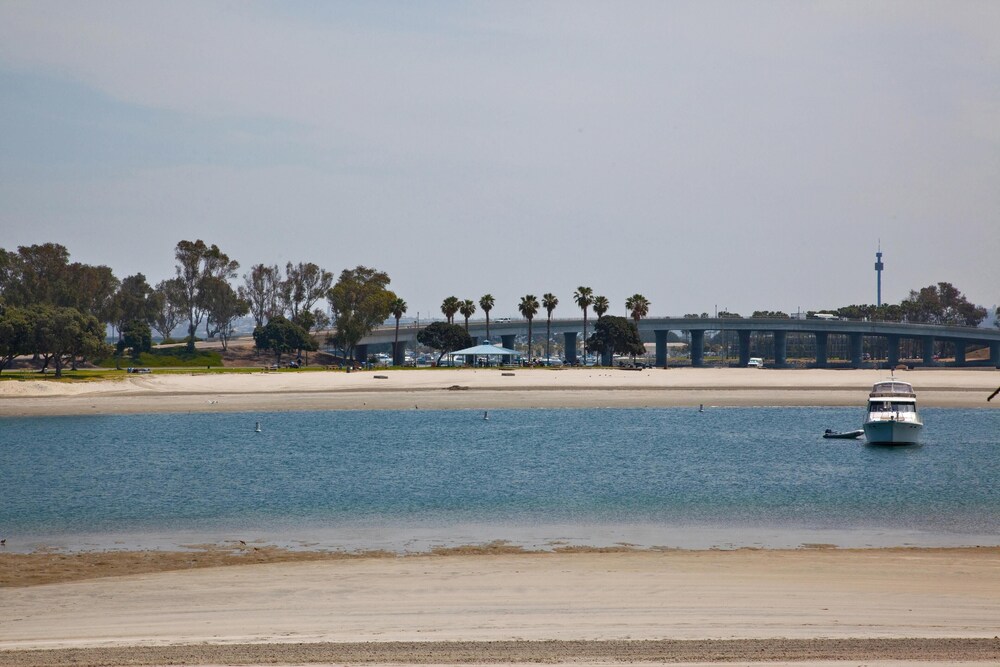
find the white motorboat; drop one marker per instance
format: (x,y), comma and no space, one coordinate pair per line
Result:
(892,417)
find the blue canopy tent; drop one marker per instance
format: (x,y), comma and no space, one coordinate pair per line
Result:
(487,350)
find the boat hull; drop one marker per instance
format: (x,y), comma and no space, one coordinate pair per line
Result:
(889,432)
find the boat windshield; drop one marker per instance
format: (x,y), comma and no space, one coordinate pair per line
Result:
(892,387)
(891,406)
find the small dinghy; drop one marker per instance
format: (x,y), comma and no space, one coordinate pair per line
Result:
(844,435)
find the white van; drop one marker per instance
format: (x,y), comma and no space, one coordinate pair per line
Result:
(755,362)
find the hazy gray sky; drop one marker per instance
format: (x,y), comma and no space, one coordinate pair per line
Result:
(746,155)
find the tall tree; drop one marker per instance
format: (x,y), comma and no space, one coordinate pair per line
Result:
(36,274)
(91,290)
(168,299)
(486,303)
(584,298)
(397,308)
(638,307)
(601,306)
(616,335)
(196,263)
(66,334)
(223,307)
(17,329)
(942,304)
(528,309)
(307,283)
(444,337)
(449,307)
(261,289)
(549,303)
(133,302)
(281,336)
(467,308)
(360,301)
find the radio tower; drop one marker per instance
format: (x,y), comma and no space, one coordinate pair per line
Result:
(878,272)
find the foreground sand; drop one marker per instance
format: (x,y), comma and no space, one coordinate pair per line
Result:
(929,605)
(484,389)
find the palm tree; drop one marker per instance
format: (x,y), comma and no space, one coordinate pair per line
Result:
(486,303)
(449,307)
(528,308)
(638,307)
(549,303)
(584,297)
(467,307)
(397,308)
(601,306)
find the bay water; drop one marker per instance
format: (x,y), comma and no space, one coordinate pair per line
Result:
(417,479)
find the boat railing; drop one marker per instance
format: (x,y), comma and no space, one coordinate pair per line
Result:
(892,394)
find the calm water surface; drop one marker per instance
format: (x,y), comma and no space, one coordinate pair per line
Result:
(409,480)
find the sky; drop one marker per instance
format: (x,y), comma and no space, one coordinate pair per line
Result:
(709,155)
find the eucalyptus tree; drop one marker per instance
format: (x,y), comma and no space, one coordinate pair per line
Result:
(486,303)
(549,303)
(449,307)
(223,306)
(528,309)
(168,299)
(134,302)
(467,308)
(196,262)
(638,307)
(584,298)
(261,289)
(305,284)
(360,301)
(397,308)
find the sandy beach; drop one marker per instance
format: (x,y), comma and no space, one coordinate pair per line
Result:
(484,389)
(932,606)
(261,605)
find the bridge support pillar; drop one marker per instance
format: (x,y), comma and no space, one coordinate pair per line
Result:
(959,352)
(661,347)
(569,341)
(928,349)
(995,353)
(697,348)
(361,353)
(399,353)
(857,349)
(744,348)
(892,352)
(780,349)
(821,349)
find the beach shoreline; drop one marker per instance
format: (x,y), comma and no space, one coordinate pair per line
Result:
(442,389)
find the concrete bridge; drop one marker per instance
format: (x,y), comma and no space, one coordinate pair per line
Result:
(777,329)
